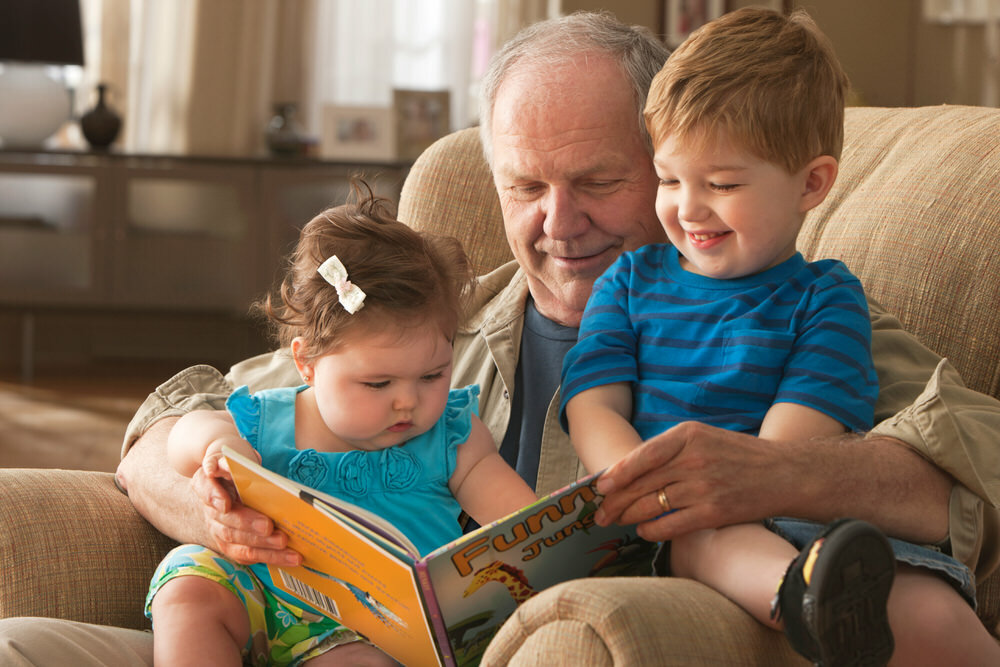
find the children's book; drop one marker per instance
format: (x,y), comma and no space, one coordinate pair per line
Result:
(442,608)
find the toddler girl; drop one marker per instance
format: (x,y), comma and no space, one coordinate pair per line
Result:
(369,309)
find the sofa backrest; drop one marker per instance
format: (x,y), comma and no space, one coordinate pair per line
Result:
(450,190)
(915,213)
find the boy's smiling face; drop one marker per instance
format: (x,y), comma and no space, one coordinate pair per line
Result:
(728,212)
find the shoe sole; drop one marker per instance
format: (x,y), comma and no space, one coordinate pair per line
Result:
(845,603)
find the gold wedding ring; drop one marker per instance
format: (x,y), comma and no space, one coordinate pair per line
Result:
(661,495)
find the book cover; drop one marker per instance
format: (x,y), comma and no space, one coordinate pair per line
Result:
(445,607)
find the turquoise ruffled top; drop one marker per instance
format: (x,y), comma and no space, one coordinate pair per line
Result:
(406,484)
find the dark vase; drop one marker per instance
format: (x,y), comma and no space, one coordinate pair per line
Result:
(101,124)
(284,134)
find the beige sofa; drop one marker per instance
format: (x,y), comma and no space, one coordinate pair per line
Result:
(915,212)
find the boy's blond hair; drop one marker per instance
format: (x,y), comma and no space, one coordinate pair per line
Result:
(771,83)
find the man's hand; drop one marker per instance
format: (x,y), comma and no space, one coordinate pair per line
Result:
(711,478)
(240,534)
(200,510)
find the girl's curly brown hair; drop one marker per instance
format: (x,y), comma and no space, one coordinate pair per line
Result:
(409,278)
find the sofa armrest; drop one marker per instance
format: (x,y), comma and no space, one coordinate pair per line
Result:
(635,621)
(72,546)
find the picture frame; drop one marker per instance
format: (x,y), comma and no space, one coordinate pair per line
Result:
(358,134)
(422,117)
(682,17)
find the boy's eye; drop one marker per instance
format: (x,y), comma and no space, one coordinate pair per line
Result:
(432,377)
(668,182)
(376,385)
(724,187)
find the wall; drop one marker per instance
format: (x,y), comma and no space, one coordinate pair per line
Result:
(893,56)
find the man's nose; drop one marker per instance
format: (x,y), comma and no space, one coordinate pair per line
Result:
(564,217)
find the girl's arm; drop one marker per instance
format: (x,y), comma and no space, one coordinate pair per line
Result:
(484,485)
(600,426)
(202,432)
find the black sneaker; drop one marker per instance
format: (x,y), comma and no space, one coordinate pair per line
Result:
(833,596)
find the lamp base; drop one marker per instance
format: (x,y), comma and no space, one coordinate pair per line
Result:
(33,105)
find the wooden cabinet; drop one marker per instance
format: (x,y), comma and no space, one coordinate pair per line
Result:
(154,237)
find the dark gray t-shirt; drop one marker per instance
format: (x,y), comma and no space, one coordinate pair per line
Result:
(543,346)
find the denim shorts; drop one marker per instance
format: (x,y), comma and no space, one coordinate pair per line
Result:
(800,533)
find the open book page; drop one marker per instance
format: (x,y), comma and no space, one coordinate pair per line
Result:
(349,572)
(368,520)
(480,579)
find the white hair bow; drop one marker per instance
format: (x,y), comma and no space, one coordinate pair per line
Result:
(351,297)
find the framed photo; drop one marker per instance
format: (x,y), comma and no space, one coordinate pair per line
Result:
(682,17)
(422,117)
(359,134)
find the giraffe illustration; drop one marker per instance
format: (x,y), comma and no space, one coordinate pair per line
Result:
(508,575)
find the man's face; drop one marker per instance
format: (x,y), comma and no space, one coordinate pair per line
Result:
(576,183)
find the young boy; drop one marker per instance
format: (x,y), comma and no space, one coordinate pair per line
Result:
(729,325)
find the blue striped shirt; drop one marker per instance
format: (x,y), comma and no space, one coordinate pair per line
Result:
(723,351)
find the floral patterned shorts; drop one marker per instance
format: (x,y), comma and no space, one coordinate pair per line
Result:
(280,632)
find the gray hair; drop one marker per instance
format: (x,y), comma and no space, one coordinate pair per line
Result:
(556,41)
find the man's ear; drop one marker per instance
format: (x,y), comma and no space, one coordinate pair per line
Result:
(820,175)
(303,365)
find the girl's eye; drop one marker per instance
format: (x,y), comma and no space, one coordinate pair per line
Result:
(724,187)
(432,377)
(376,385)
(668,182)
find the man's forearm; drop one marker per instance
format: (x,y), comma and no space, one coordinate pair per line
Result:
(159,494)
(878,479)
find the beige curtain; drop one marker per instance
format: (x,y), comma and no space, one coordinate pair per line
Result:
(512,15)
(250,53)
(200,77)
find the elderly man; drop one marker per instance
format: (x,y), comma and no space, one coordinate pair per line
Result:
(572,165)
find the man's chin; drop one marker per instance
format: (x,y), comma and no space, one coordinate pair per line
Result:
(565,304)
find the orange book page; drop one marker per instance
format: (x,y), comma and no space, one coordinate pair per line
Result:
(344,574)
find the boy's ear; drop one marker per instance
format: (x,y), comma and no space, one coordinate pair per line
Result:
(304,367)
(820,175)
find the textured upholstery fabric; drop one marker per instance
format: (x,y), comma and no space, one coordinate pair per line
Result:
(613,638)
(915,213)
(72,546)
(450,191)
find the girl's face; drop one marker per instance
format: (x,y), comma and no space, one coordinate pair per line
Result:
(379,390)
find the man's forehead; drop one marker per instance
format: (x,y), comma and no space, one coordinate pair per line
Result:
(569,153)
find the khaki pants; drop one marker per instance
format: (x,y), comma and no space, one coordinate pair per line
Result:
(39,642)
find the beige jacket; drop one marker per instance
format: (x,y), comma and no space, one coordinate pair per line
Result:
(922,402)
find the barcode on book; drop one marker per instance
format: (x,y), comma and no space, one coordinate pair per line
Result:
(309,594)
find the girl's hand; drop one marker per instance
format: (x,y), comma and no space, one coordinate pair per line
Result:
(214,464)
(240,533)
